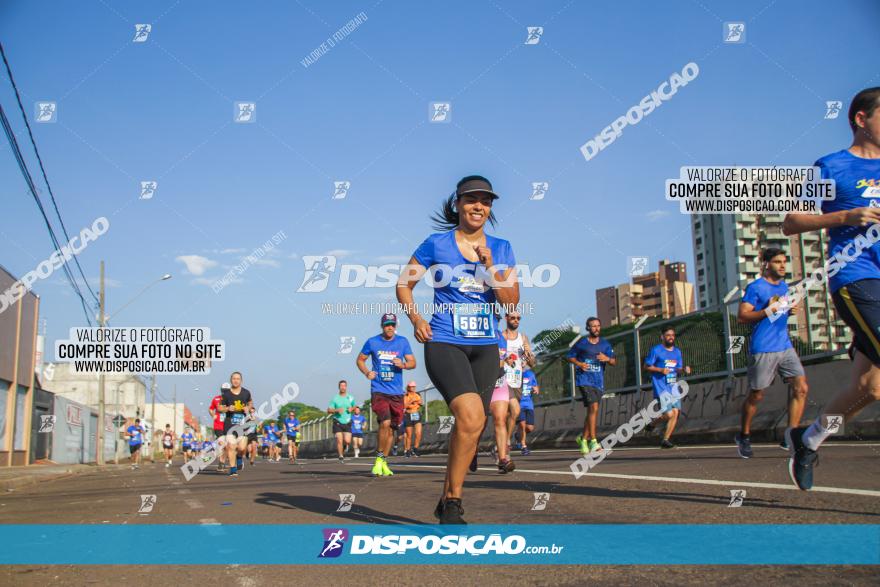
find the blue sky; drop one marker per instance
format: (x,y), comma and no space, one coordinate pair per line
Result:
(163,110)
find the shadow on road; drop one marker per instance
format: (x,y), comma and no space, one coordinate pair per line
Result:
(326,506)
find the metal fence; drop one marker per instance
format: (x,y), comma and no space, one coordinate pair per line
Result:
(705,339)
(712,343)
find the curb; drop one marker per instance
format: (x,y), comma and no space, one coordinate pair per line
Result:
(26,479)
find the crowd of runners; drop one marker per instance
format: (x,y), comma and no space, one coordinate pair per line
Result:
(482,370)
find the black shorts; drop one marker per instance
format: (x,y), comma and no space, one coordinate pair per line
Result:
(168,446)
(528,416)
(133,448)
(858,304)
(408,421)
(218,433)
(590,394)
(186,448)
(252,437)
(337,427)
(458,369)
(357,434)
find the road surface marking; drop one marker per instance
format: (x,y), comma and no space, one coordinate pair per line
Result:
(193,504)
(816,489)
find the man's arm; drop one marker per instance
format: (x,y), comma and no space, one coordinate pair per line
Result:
(798,223)
(748,315)
(527,351)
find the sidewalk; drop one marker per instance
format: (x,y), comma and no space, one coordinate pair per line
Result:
(12,478)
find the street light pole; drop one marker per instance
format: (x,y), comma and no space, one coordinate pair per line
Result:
(101,323)
(153,420)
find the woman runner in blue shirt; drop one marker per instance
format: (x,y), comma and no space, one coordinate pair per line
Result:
(470,271)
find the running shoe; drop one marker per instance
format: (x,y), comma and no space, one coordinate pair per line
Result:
(506,466)
(407,453)
(167,465)
(438,511)
(593,445)
(394,451)
(525,451)
(473,466)
(415,452)
(666,444)
(582,445)
(377,468)
(802,460)
(743,446)
(452,512)
(784,444)
(386,472)
(341,459)
(517,446)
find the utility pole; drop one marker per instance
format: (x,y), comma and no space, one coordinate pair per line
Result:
(174,421)
(102,324)
(116,426)
(153,419)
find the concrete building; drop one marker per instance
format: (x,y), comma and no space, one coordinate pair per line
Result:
(18,360)
(664,293)
(727,249)
(124,393)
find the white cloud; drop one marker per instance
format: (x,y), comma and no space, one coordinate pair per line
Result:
(655,215)
(196,264)
(341,253)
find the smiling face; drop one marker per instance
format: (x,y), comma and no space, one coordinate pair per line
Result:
(474,210)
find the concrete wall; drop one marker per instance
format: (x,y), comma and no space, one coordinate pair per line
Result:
(74,437)
(710,413)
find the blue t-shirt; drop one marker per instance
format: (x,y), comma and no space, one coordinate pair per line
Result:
(529,383)
(271,432)
(463,294)
(661,357)
(382,352)
(290,425)
(357,423)
(136,433)
(857,184)
(586,352)
(196,445)
(767,336)
(186,439)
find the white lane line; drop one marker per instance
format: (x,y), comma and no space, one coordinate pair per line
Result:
(184,491)
(209,522)
(710,446)
(816,489)
(193,504)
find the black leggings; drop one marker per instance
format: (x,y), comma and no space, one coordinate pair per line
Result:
(458,369)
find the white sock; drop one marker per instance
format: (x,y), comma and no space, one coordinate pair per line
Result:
(815,435)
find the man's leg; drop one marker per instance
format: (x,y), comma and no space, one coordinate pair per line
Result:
(593,415)
(671,418)
(797,401)
(339,444)
(749,408)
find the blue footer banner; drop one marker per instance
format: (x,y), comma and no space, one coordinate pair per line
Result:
(674,544)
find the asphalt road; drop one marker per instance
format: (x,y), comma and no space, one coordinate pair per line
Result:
(633,486)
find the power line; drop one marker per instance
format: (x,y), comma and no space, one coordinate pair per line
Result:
(16,151)
(42,168)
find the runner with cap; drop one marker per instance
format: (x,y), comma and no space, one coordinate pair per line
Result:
(853,223)
(389,354)
(472,271)
(291,429)
(412,419)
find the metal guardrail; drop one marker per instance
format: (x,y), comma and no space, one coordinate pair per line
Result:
(704,338)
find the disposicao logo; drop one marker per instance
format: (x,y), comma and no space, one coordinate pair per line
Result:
(334,541)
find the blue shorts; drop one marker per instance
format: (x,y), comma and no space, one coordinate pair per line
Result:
(528,416)
(668,402)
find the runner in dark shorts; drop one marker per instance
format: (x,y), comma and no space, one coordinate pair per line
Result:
(235,403)
(389,355)
(590,354)
(340,408)
(853,223)
(461,341)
